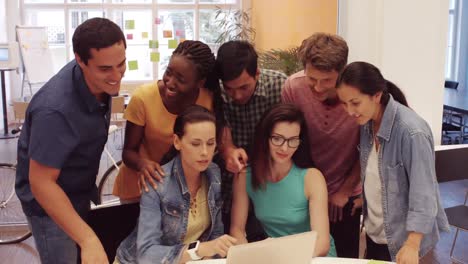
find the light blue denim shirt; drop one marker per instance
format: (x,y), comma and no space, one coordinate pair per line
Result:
(410,193)
(164,212)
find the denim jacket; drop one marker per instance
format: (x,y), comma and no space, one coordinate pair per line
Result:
(164,212)
(406,162)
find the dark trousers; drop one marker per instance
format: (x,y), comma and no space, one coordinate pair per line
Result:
(253,227)
(346,232)
(377,251)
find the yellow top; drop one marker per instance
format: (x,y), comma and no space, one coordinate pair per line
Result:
(146,109)
(199,214)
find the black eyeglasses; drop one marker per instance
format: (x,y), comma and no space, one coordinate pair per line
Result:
(278,141)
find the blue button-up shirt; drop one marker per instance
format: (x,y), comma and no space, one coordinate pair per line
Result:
(65,128)
(406,162)
(164,213)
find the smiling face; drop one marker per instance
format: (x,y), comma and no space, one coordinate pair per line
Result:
(197,145)
(180,80)
(284,131)
(241,89)
(360,106)
(321,83)
(104,70)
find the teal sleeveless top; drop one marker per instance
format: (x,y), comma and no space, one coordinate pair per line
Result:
(282,207)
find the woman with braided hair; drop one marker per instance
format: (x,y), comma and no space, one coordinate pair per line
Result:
(189,79)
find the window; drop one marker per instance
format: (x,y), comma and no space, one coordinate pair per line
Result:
(166,21)
(452,41)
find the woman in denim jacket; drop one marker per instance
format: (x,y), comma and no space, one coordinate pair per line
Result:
(180,220)
(402,209)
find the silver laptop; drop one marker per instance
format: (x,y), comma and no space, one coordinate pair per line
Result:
(293,249)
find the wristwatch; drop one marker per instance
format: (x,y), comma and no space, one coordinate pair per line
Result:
(192,250)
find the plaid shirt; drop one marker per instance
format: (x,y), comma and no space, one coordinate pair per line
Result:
(242,119)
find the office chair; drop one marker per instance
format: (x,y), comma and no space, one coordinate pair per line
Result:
(457,217)
(452,123)
(19,110)
(451,84)
(117,110)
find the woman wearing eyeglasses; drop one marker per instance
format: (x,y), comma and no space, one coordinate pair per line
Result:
(288,197)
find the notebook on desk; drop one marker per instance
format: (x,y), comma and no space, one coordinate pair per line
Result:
(297,249)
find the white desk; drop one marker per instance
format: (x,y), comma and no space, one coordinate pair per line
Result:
(317,260)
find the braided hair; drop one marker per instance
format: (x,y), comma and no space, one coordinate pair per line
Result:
(204,60)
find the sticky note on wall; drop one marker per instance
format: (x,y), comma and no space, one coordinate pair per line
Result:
(167,33)
(129,24)
(172,43)
(132,65)
(129,36)
(144,35)
(154,56)
(153,44)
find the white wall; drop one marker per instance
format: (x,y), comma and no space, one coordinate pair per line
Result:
(462,48)
(406,40)
(13,19)
(3,39)
(9,18)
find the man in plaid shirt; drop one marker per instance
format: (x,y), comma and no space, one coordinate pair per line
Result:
(247,93)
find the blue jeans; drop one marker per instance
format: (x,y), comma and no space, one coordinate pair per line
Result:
(52,243)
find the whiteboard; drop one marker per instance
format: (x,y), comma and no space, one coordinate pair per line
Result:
(35,53)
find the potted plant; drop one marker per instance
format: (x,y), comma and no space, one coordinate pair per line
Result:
(284,60)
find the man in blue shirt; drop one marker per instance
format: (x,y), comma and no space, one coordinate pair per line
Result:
(61,143)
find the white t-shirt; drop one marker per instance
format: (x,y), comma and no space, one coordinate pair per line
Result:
(373,191)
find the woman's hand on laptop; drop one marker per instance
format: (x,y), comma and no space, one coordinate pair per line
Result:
(218,246)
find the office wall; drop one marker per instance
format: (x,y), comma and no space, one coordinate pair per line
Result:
(3,37)
(462,48)
(406,40)
(9,17)
(283,24)
(12,19)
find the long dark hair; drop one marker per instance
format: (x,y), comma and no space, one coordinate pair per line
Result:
(191,115)
(204,60)
(260,157)
(368,79)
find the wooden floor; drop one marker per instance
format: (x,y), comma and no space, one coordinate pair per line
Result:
(452,194)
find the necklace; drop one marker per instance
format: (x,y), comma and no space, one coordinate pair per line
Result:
(193,196)
(193,205)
